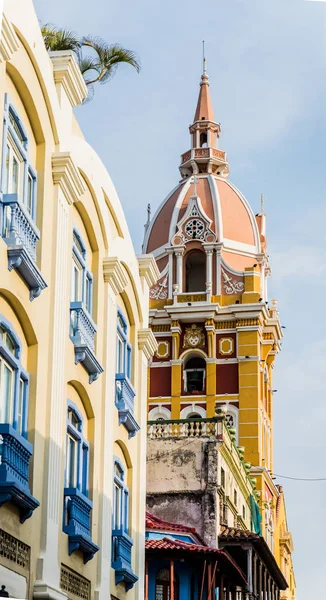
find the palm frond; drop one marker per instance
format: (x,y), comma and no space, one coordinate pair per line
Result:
(59,39)
(110,56)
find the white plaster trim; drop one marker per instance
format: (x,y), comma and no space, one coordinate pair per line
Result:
(241,246)
(114,274)
(156,214)
(43,591)
(67,73)
(147,342)
(226,361)
(175,215)
(148,269)
(159,252)
(188,410)
(233,271)
(217,207)
(159,411)
(9,42)
(162,363)
(66,174)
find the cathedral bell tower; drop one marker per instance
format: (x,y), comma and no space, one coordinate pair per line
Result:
(218,334)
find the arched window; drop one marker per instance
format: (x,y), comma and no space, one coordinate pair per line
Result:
(81,277)
(203,140)
(13,380)
(123,347)
(162,587)
(194,375)
(18,176)
(120,521)
(160,413)
(77,452)
(193,412)
(195,272)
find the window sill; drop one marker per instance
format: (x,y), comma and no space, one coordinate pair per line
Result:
(14,488)
(78,529)
(21,242)
(122,563)
(125,394)
(82,337)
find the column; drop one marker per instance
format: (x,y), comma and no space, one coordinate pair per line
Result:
(171,580)
(179,256)
(218,248)
(255,574)
(209,581)
(260,580)
(209,272)
(249,569)
(170,273)
(265,584)
(146,579)
(269,593)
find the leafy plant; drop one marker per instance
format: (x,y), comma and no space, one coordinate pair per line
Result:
(97,66)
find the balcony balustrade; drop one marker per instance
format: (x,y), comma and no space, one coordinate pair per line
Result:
(185,428)
(124,401)
(78,527)
(121,563)
(21,236)
(15,454)
(82,334)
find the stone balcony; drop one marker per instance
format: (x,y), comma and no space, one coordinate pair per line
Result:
(82,334)
(78,527)
(125,395)
(204,153)
(21,236)
(185,428)
(15,455)
(121,562)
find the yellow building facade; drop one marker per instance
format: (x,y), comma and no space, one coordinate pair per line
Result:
(74,341)
(218,334)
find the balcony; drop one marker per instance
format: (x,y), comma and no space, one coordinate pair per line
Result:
(82,334)
(121,562)
(124,401)
(21,236)
(185,428)
(78,528)
(15,454)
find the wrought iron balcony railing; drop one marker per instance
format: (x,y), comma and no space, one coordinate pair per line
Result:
(121,558)
(21,236)
(82,334)
(124,400)
(15,454)
(78,523)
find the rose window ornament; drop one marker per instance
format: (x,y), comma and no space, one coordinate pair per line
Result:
(194,228)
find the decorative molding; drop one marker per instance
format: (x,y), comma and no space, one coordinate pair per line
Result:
(9,42)
(74,584)
(147,342)
(161,328)
(66,174)
(114,274)
(226,346)
(44,590)
(163,349)
(148,268)
(194,337)
(14,550)
(67,73)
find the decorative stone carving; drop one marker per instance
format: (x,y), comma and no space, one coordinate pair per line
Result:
(231,285)
(194,337)
(160,290)
(194,225)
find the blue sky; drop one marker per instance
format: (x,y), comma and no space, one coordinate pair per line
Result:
(267,63)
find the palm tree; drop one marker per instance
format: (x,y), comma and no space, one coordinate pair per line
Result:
(100,65)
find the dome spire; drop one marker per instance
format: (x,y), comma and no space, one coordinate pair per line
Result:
(204,110)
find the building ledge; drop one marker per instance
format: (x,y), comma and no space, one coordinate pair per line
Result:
(20,261)
(122,545)
(66,72)
(78,529)
(125,395)
(16,452)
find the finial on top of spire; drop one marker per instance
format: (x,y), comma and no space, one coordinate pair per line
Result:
(204,59)
(262,204)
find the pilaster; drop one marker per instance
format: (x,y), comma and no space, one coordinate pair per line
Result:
(114,274)
(66,174)
(9,42)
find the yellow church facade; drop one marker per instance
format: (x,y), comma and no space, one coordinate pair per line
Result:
(218,333)
(74,341)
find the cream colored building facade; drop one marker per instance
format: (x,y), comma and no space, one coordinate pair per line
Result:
(74,341)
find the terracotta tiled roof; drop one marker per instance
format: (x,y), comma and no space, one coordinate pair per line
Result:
(231,536)
(171,544)
(154,522)
(184,547)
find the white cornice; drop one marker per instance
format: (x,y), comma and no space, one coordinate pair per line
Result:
(148,268)
(147,342)
(114,274)
(67,73)
(66,174)
(9,42)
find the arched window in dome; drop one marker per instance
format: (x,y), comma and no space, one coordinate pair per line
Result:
(194,375)
(203,140)
(196,271)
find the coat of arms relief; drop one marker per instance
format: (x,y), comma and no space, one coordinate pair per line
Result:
(194,337)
